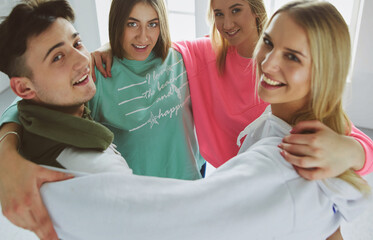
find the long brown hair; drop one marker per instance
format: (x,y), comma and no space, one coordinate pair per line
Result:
(120,11)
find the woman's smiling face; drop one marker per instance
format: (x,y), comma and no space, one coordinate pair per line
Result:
(236,22)
(284,63)
(141,32)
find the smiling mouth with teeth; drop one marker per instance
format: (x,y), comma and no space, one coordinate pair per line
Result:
(81,80)
(140,46)
(233,32)
(272,82)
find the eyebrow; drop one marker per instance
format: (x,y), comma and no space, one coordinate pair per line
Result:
(74,35)
(288,49)
(295,51)
(236,5)
(137,20)
(233,6)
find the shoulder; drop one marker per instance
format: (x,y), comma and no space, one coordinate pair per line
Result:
(173,58)
(199,45)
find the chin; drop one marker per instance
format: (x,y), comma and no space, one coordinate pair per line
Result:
(142,58)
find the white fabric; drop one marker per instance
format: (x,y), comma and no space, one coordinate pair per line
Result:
(255,195)
(88,161)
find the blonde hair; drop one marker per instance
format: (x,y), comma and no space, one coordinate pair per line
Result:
(219,43)
(330,48)
(120,11)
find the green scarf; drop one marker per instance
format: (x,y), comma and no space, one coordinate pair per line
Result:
(48,132)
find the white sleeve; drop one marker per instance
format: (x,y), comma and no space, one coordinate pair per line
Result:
(256,195)
(246,196)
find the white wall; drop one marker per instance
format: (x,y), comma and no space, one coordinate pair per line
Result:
(202,28)
(360,101)
(102,10)
(86,22)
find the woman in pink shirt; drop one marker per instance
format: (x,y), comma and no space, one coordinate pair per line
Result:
(222,85)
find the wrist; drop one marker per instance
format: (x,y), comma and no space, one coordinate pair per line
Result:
(8,146)
(9,134)
(358,157)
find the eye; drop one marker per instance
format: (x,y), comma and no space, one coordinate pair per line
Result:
(78,44)
(57,58)
(132,24)
(236,10)
(267,42)
(153,25)
(218,14)
(292,57)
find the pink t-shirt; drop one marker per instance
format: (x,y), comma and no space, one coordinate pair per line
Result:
(222,105)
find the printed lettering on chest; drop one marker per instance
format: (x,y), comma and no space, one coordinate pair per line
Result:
(160,96)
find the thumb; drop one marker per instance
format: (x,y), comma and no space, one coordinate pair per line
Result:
(47,175)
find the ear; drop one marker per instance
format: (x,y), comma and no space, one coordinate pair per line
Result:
(23,87)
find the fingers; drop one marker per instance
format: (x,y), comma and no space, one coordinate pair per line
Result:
(307,167)
(301,149)
(307,126)
(97,60)
(31,214)
(300,161)
(93,72)
(43,223)
(109,61)
(311,173)
(305,139)
(23,205)
(47,175)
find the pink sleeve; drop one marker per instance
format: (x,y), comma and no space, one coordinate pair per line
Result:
(367,144)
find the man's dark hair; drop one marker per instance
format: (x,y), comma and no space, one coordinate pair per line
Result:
(27,19)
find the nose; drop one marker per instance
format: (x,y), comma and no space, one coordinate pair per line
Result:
(142,35)
(271,62)
(81,58)
(228,23)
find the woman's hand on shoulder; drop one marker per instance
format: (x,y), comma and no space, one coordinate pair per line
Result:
(99,57)
(317,152)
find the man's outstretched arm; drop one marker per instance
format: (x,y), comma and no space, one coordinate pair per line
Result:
(20,182)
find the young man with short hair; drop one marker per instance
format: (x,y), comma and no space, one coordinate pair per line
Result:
(49,68)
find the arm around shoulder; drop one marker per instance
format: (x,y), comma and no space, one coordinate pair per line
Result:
(366,148)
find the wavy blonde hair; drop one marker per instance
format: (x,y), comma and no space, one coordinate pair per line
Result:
(330,48)
(219,43)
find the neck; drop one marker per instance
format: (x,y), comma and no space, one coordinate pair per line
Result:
(71,110)
(285,111)
(246,49)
